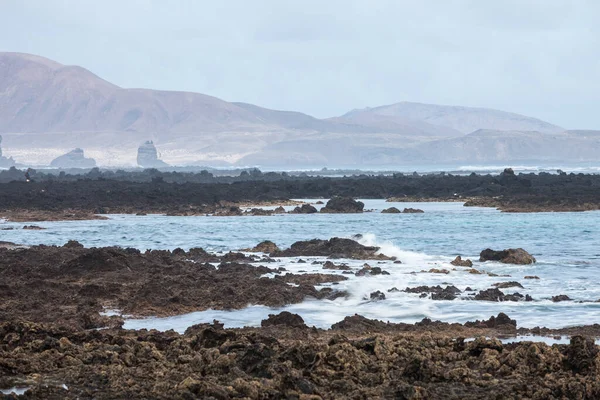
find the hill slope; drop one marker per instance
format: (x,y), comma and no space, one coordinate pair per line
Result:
(462,119)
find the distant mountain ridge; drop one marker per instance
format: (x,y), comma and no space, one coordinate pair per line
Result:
(47,109)
(462,119)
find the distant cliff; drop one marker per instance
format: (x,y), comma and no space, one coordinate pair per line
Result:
(73,159)
(147,156)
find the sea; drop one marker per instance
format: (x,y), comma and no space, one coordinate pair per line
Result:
(566,246)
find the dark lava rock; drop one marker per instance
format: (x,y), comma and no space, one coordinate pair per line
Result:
(73,244)
(391,210)
(376,296)
(561,297)
(229,212)
(304,209)
(279,210)
(333,248)
(459,262)
(496,294)
(284,318)
(502,320)
(343,205)
(33,228)
(412,211)
(437,292)
(582,354)
(393,290)
(368,270)
(504,285)
(264,247)
(259,212)
(510,256)
(531,277)
(330,265)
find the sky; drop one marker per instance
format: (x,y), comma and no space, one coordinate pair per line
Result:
(535,57)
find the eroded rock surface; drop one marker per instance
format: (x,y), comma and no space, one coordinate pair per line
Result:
(509,256)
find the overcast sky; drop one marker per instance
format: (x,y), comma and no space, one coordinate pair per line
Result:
(539,58)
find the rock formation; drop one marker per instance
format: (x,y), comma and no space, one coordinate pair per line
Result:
(510,256)
(147,157)
(73,159)
(344,205)
(4,161)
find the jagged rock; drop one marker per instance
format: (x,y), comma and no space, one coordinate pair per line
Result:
(459,262)
(377,296)
(502,320)
(412,211)
(263,247)
(510,256)
(504,285)
(582,355)
(4,161)
(279,210)
(147,156)
(368,270)
(341,267)
(283,318)
(304,209)
(496,294)
(391,210)
(73,159)
(560,297)
(345,205)
(33,228)
(333,248)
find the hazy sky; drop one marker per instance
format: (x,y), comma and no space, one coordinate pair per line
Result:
(325,57)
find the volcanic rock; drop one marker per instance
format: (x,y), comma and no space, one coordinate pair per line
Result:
(73,159)
(283,318)
(304,209)
(266,246)
(510,256)
(147,156)
(412,211)
(345,205)
(332,248)
(377,296)
(391,210)
(330,265)
(560,297)
(504,285)
(459,262)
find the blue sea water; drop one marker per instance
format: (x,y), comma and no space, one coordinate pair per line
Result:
(566,245)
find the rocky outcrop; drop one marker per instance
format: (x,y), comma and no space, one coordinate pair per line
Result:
(304,209)
(343,205)
(459,262)
(4,161)
(391,210)
(332,248)
(73,159)
(510,256)
(285,318)
(412,211)
(266,246)
(147,156)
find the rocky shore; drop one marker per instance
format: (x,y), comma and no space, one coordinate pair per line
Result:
(152,191)
(58,342)
(356,358)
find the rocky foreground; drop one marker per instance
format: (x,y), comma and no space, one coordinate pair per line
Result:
(55,342)
(356,359)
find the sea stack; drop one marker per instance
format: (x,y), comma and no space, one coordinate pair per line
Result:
(73,159)
(147,156)
(4,161)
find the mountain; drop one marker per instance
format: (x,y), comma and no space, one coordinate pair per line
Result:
(47,109)
(461,119)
